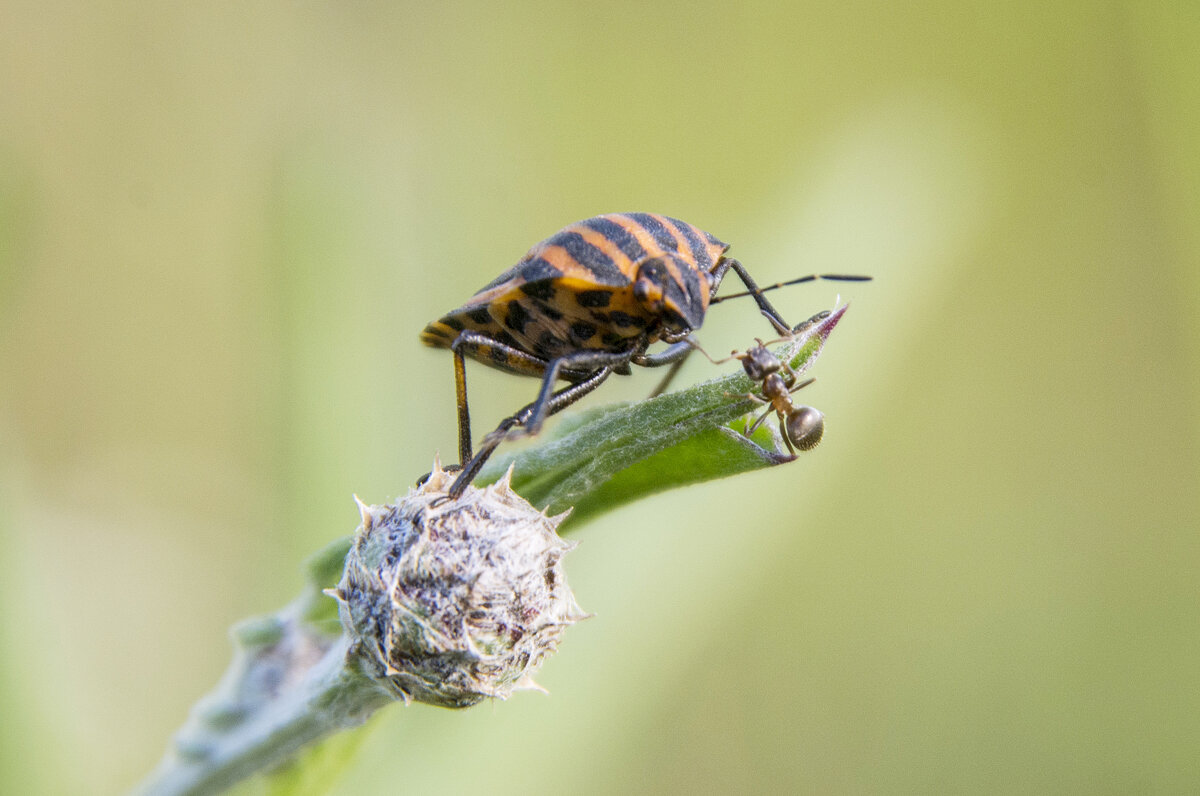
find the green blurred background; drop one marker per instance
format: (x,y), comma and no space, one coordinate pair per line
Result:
(222,226)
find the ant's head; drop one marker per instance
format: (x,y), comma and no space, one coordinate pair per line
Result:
(759,363)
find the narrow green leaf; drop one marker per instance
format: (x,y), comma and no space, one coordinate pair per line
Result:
(615,454)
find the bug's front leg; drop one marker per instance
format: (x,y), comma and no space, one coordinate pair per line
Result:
(764,304)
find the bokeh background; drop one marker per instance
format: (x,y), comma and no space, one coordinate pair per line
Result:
(223,224)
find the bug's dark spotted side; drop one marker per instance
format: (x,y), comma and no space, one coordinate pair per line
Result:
(583,304)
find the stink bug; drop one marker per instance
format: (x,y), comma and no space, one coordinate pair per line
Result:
(583,304)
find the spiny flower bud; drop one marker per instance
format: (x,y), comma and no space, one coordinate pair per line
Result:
(452,601)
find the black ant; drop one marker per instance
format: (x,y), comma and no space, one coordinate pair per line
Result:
(800,426)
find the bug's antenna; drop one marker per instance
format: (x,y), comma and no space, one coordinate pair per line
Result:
(801,280)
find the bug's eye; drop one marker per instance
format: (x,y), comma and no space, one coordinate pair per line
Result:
(651,284)
(653,271)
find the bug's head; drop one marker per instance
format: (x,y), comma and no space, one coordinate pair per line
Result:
(664,297)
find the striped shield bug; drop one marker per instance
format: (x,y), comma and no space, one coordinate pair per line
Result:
(585,303)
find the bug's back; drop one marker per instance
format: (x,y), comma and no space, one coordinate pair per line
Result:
(574,290)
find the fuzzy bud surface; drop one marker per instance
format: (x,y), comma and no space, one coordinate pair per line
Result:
(450,602)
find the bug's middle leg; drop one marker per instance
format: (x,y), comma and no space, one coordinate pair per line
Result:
(556,403)
(674,356)
(577,362)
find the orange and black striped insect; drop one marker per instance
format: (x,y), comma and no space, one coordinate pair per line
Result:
(583,304)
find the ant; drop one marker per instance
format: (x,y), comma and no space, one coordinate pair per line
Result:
(800,426)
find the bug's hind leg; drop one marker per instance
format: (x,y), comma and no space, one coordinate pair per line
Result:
(464,412)
(503,356)
(579,367)
(555,403)
(485,349)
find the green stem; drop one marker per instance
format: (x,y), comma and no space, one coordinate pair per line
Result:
(290,684)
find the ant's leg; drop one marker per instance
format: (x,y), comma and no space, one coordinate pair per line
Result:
(802,385)
(759,420)
(787,440)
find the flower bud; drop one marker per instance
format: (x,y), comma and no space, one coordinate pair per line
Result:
(452,601)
